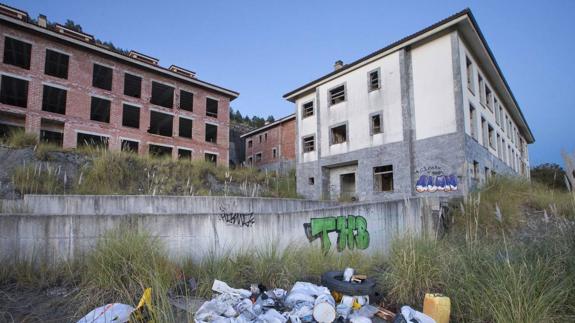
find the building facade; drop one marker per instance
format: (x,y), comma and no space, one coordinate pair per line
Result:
(71,90)
(272,147)
(431,114)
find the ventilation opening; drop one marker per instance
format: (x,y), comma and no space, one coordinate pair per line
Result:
(161,124)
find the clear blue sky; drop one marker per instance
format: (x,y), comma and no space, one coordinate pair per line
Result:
(264,49)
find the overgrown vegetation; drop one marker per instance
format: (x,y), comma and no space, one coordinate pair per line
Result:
(18,138)
(254,122)
(111,173)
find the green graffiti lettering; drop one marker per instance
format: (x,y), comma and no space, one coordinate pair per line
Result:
(351,231)
(362,237)
(323,226)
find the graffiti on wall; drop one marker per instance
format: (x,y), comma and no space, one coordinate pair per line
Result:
(351,231)
(237,219)
(434,179)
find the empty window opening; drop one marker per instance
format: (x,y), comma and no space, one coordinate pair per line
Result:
(100,110)
(56,64)
(211,107)
(498,146)
(487,174)
(54,100)
(307,110)
(250,143)
(130,116)
(347,185)
(161,124)
(376,124)
(469,69)
(383,178)
(132,85)
(472,122)
(491,135)
(52,132)
(185,128)
(102,77)
(11,122)
(87,140)
(130,146)
(260,138)
(184,154)
(159,151)
(338,134)
(249,160)
(374,80)
(484,131)
(337,95)
(162,95)
(274,153)
(266,136)
(14,91)
(17,53)
(475,170)
(258,157)
(308,144)
(211,133)
(489,98)
(481,90)
(186,100)
(311,180)
(211,158)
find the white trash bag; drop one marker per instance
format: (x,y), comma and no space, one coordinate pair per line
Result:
(110,313)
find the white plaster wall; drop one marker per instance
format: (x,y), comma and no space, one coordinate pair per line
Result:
(360,103)
(433,94)
(334,179)
(472,97)
(306,127)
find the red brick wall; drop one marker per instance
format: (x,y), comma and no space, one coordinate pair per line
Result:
(80,90)
(280,136)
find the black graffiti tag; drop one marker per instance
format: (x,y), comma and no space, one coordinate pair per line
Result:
(239,219)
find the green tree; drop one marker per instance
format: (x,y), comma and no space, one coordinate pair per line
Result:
(549,174)
(70,24)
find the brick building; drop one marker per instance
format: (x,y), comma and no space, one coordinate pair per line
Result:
(272,146)
(71,90)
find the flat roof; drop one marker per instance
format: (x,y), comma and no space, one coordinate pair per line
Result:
(270,125)
(27,25)
(453,20)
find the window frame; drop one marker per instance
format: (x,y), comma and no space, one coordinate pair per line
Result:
(126,104)
(94,99)
(160,102)
(94,79)
(375,174)
(58,64)
(211,114)
(304,114)
(369,81)
(180,118)
(303,146)
(371,128)
(329,94)
(134,76)
(26,89)
(331,137)
(187,108)
(27,65)
(65,90)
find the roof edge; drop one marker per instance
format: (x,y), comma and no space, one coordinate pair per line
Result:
(264,127)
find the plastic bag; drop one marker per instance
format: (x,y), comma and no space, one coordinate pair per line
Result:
(110,313)
(356,318)
(368,311)
(304,292)
(272,316)
(347,274)
(411,314)
(223,288)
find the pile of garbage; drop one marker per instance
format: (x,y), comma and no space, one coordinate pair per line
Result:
(305,302)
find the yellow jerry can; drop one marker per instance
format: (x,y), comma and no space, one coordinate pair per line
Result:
(438,307)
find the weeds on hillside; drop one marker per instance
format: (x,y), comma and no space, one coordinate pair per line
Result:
(18,138)
(38,179)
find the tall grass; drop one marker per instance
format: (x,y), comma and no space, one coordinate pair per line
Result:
(18,138)
(123,264)
(38,179)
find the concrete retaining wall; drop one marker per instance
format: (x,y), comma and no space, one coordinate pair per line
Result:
(49,238)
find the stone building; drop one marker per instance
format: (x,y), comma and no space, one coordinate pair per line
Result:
(70,89)
(272,146)
(431,114)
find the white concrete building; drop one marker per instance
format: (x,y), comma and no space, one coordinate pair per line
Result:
(430,114)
